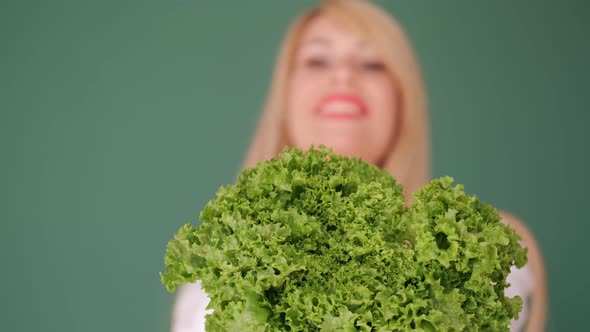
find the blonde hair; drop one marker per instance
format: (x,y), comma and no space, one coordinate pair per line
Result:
(408,159)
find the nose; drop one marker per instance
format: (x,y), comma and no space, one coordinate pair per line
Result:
(343,75)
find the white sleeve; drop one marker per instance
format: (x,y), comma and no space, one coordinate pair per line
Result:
(190,308)
(521,284)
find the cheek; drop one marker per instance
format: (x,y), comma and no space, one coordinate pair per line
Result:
(299,113)
(384,103)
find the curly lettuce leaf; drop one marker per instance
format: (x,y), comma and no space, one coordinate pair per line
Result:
(316,241)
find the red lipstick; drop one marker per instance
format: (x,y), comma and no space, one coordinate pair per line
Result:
(342,106)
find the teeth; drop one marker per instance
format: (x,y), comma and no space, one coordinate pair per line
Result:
(341,107)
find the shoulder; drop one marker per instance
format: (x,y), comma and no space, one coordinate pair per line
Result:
(519,226)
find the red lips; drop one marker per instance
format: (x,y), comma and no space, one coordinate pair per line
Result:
(341,106)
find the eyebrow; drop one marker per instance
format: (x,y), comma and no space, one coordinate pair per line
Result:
(323,41)
(316,40)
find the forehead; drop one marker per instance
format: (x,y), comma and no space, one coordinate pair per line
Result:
(329,31)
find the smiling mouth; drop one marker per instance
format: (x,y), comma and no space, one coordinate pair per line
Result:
(345,107)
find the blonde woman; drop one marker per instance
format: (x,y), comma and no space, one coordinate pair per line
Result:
(346,77)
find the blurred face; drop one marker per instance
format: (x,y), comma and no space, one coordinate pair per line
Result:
(340,94)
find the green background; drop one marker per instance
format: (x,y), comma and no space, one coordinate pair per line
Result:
(120,119)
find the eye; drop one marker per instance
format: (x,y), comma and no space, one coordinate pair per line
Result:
(317,63)
(373,66)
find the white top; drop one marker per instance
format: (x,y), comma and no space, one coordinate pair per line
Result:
(190,308)
(521,283)
(191,303)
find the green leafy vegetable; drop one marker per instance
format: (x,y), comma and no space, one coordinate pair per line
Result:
(319,242)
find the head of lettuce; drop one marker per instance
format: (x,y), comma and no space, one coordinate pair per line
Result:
(319,242)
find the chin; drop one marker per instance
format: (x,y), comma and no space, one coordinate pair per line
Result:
(340,147)
(346,150)
(357,151)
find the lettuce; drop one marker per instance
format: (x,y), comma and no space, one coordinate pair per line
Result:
(319,242)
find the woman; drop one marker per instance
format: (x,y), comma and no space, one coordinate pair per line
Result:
(346,77)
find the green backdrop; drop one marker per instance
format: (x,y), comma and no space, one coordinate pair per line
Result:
(120,119)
